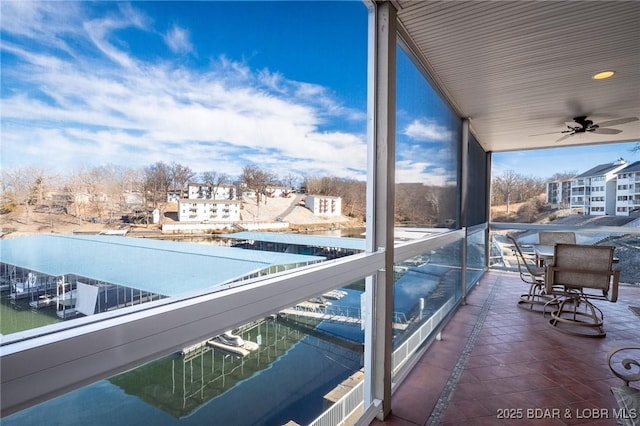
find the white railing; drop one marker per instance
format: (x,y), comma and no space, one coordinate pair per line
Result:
(105,344)
(343,409)
(409,347)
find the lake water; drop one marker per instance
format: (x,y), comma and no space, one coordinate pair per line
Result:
(289,386)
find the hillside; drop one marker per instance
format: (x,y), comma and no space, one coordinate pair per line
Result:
(276,209)
(298,217)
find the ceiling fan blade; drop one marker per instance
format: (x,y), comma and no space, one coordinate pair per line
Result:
(618,121)
(550,133)
(565,137)
(605,131)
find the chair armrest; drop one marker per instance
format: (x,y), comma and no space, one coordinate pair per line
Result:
(614,285)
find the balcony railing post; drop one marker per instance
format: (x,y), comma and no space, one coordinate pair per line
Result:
(380,202)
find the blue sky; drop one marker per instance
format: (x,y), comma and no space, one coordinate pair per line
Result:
(546,162)
(213,86)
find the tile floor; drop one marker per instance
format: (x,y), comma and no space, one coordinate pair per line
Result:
(500,364)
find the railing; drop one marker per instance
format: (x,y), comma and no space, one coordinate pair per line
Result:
(105,344)
(343,409)
(404,352)
(626,239)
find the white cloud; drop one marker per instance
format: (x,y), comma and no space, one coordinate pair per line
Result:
(79,110)
(408,171)
(427,130)
(178,40)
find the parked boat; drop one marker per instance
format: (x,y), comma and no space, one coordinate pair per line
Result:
(233,343)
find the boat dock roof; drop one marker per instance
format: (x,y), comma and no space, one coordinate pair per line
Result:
(301,239)
(162,267)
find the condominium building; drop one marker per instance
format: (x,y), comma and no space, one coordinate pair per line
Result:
(559,193)
(324,205)
(190,210)
(628,190)
(594,191)
(206,191)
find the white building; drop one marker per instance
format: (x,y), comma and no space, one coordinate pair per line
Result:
(174,195)
(628,190)
(324,205)
(559,193)
(594,191)
(208,210)
(205,191)
(277,191)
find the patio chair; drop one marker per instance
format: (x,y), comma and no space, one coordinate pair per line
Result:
(579,274)
(550,238)
(532,275)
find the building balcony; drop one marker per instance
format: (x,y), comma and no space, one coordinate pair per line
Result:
(498,363)
(486,331)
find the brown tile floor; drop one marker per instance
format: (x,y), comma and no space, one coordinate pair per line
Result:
(500,364)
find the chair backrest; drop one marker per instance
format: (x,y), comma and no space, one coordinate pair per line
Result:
(549,238)
(582,266)
(523,262)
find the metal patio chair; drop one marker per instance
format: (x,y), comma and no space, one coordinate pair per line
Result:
(578,275)
(533,275)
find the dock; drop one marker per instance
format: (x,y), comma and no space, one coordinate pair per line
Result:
(346,315)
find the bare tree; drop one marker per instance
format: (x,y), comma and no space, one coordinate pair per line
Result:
(96,181)
(506,185)
(289,181)
(352,192)
(215,179)
(560,176)
(257,180)
(179,176)
(25,186)
(157,181)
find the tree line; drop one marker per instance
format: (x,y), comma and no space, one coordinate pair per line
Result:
(416,204)
(511,187)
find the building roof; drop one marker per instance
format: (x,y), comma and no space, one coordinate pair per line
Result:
(301,239)
(601,169)
(630,168)
(162,267)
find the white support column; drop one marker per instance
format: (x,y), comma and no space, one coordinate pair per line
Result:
(487,236)
(380,202)
(464,191)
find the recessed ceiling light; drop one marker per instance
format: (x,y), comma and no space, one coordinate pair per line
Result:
(602,75)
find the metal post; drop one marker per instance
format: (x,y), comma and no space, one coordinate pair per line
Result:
(380,203)
(464,182)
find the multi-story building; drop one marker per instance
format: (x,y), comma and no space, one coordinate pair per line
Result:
(628,190)
(205,191)
(190,210)
(324,205)
(559,193)
(209,203)
(594,191)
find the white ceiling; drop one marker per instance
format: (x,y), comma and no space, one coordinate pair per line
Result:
(523,68)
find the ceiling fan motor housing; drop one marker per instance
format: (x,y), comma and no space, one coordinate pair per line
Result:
(585,125)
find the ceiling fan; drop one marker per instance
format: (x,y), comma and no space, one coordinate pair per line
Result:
(581,124)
